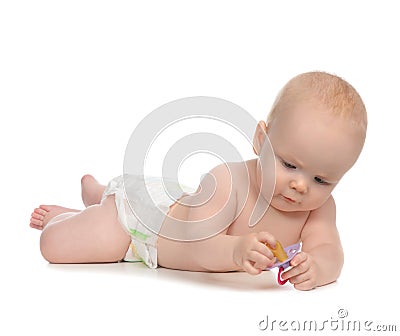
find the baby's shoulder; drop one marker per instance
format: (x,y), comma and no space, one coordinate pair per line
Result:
(241,173)
(228,178)
(230,174)
(222,181)
(326,213)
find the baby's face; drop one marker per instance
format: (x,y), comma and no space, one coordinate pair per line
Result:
(313,150)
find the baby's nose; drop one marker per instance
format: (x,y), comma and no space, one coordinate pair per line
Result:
(299,185)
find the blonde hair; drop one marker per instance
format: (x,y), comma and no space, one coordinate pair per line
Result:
(334,92)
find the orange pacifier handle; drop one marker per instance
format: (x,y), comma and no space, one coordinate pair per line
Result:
(291,251)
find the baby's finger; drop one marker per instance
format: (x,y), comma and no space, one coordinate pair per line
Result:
(306,285)
(299,278)
(298,259)
(264,250)
(296,270)
(260,261)
(266,237)
(249,268)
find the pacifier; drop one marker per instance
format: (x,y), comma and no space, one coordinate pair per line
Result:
(291,251)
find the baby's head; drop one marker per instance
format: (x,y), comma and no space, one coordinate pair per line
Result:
(317,127)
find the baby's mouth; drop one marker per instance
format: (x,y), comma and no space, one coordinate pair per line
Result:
(288,199)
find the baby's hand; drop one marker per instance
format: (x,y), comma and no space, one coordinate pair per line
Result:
(251,253)
(303,275)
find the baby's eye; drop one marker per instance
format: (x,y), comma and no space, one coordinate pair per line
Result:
(320,180)
(288,165)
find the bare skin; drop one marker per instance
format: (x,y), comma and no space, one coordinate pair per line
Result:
(92,191)
(89,236)
(295,214)
(312,151)
(44,213)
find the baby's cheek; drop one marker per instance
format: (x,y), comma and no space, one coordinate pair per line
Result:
(319,197)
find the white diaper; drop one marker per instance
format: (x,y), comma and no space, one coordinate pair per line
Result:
(143,240)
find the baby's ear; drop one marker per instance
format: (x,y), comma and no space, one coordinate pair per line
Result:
(259,136)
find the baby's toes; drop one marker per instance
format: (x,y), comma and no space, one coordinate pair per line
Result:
(38,216)
(42,210)
(36,224)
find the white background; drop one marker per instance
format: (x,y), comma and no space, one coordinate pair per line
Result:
(75,79)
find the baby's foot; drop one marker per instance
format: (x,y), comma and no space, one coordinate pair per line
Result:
(92,191)
(42,215)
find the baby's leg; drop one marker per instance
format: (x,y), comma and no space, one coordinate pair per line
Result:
(90,236)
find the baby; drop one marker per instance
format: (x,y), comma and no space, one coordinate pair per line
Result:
(316,127)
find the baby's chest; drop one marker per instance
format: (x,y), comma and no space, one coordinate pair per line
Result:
(286,227)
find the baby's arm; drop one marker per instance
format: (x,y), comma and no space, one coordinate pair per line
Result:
(220,252)
(321,261)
